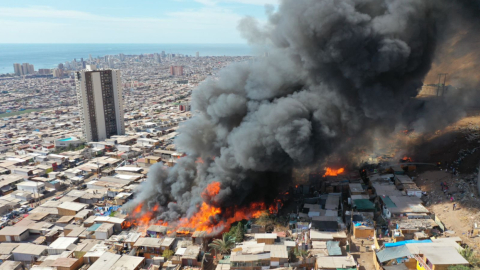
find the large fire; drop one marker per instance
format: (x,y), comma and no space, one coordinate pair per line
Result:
(209,218)
(333,172)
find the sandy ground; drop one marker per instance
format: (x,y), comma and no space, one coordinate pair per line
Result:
(361,255)
(468,204)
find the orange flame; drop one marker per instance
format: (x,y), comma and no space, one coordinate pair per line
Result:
(199,160)
(206,217)
(333,172)
(212,190)
(407,159)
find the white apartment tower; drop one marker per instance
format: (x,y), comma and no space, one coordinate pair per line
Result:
(25,68)
(99,94)
(17,69)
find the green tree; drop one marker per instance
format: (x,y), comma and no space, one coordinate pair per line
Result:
(469,255)
(232,231)
(224,245)
(239,233)
(167,254)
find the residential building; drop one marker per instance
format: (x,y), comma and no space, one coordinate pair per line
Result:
(176,70)
(17,69)
(99,94)
(29,252)
(25,68)
(14,234)
(33,187)
(31,69)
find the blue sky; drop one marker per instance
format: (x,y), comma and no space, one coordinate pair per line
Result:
(121,21)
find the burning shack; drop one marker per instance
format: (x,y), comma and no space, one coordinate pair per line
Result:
(157,230)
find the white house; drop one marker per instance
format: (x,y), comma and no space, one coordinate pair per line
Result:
(62,244)
(104,231)
(32,187)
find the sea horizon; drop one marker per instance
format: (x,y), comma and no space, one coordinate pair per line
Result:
(49,55)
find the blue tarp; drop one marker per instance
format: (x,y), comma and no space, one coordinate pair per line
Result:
(401,243)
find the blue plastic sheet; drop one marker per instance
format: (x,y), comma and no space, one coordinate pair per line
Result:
(401,243)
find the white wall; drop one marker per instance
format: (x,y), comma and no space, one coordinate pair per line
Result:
(82,100)
(117,94)
(32,189)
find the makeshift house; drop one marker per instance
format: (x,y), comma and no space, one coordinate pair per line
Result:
(117,222)
(106,261)
(11,265)
(84,214)
(157,230)
(201,238)
(240,261)
(67,263)
(278,254)
(85,246)
(326,224)
(399,206)
(104,231)
(70,208)
(333,248)
(127,262)
(336,262)
(29,252)
(363,205)
(95,252)
(267,238)
(395,256)
(6,250)
(14,234)
(148,247)
(62,244)
(356,189)
(438,257)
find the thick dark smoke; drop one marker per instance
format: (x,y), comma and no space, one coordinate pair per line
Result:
(337,72)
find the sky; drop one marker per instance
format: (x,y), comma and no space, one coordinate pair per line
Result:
(121,21)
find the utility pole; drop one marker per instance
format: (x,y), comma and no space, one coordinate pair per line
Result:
(444,83)
(439,84)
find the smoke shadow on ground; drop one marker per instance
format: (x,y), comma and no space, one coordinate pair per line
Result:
(447,148)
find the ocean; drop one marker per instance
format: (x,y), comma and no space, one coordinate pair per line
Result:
(50,55)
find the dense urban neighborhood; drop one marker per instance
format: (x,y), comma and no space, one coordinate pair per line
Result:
(66,179)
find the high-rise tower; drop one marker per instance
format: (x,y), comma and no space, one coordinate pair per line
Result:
(99,94)
(17,69)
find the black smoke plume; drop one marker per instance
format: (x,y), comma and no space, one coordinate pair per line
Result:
(337,73)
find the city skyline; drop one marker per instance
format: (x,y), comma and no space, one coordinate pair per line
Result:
(170,21)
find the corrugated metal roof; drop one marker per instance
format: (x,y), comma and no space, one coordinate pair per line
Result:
(277,251)
(363,204)
(332,202)
(333,248)
(94,227)
(388,202)
(391,253)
